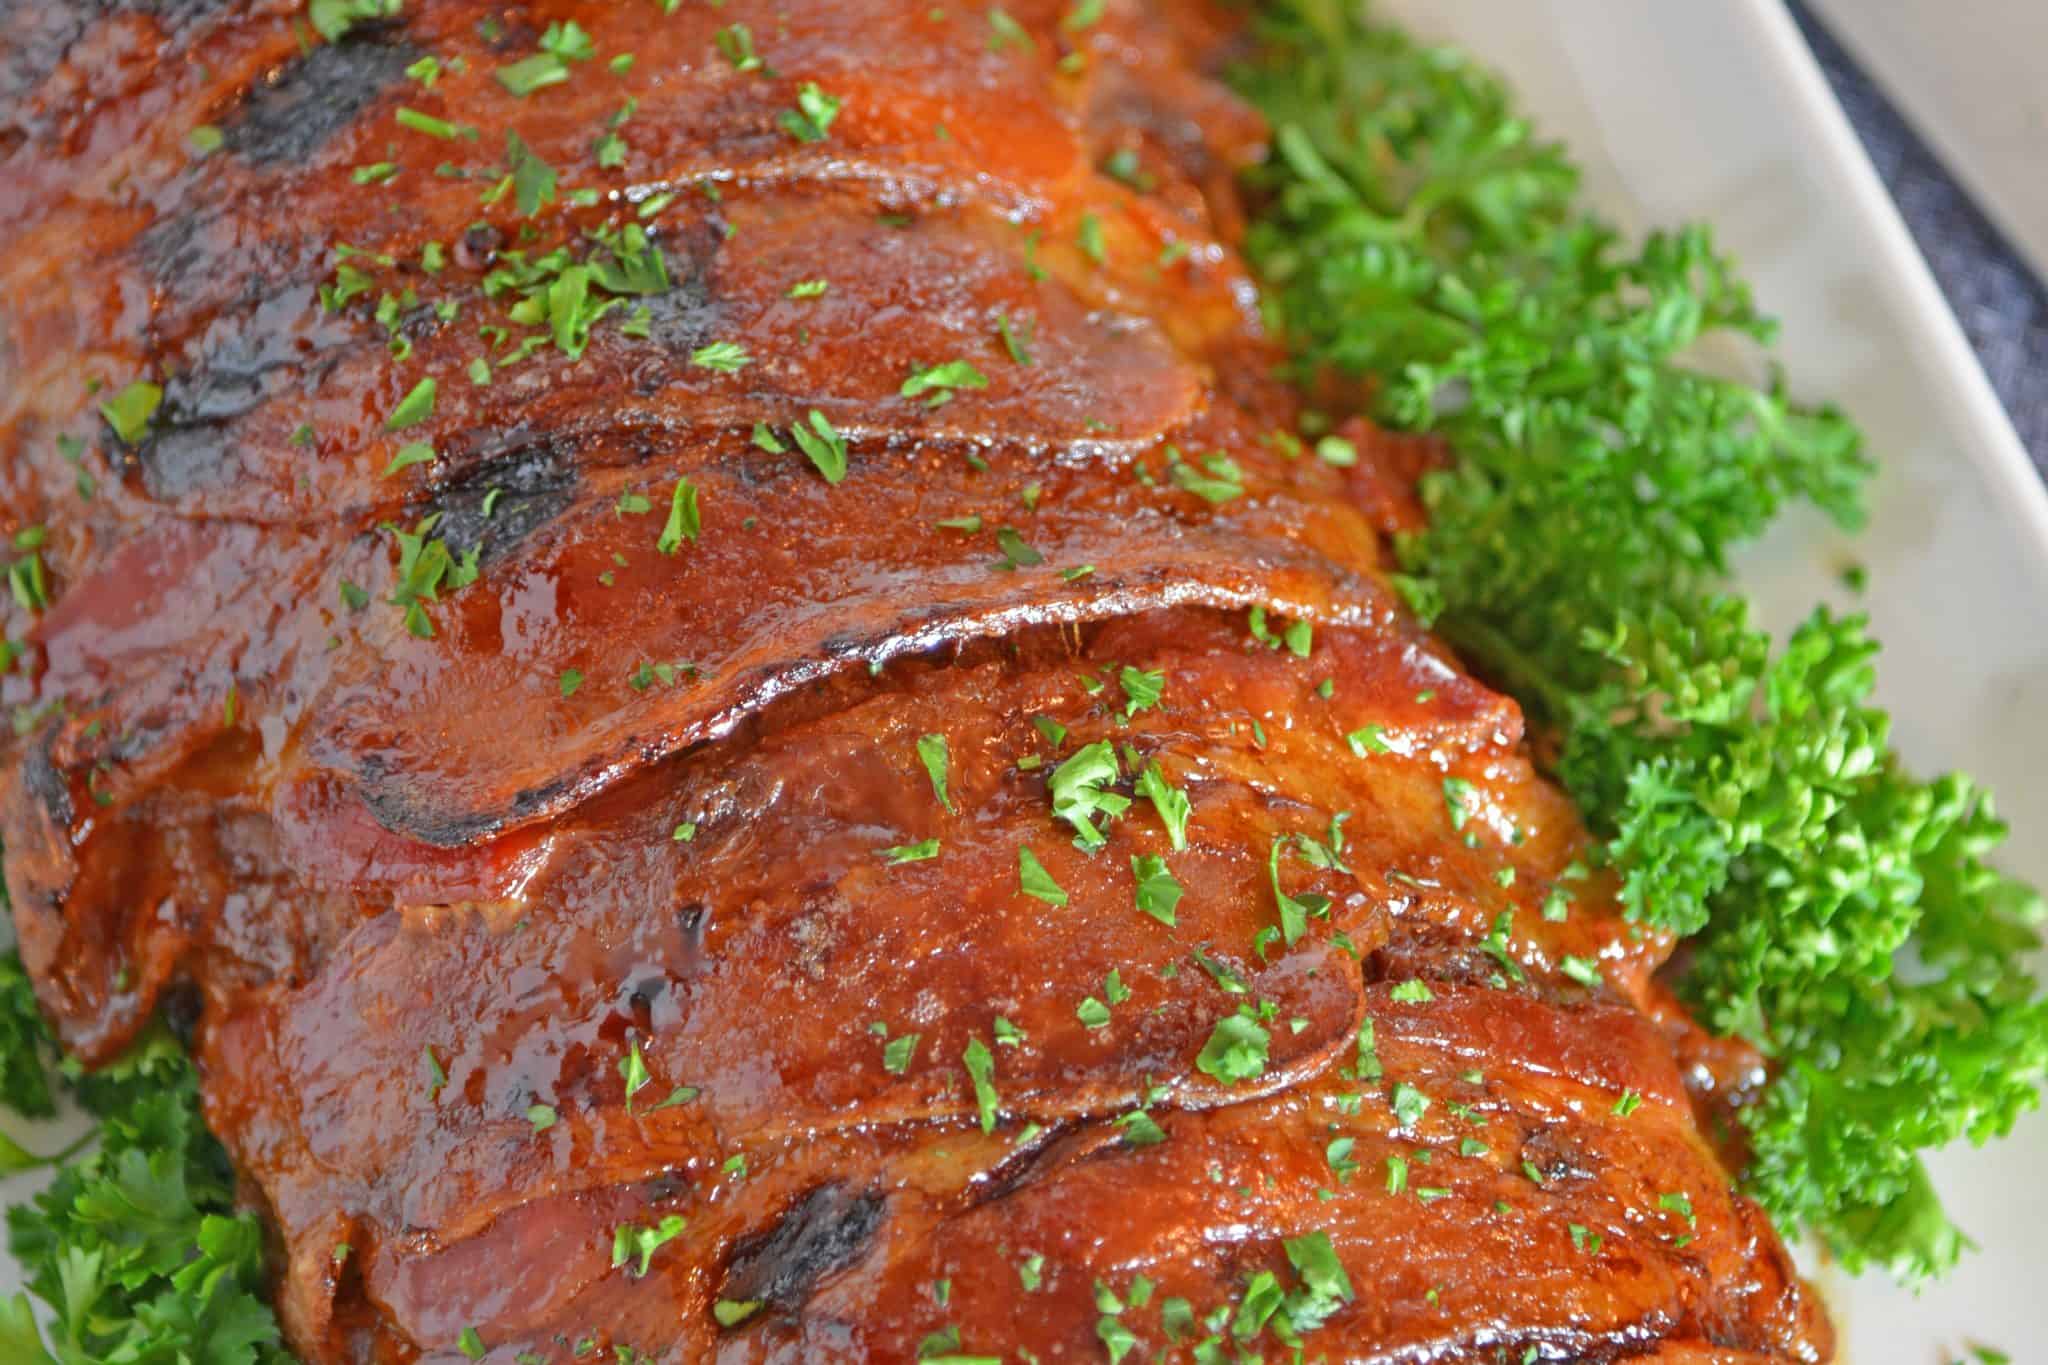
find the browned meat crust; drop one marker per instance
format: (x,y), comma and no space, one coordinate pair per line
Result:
(469,1005)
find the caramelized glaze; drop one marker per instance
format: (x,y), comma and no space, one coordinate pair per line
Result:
(430,891)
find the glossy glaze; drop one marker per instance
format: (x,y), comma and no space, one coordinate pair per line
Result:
(423,885)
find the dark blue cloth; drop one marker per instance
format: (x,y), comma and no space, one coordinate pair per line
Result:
(2002,305)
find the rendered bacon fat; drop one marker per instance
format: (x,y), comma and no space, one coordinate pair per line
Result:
(532,793)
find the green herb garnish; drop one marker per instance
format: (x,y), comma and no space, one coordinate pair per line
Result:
(813,115)
(1414,229)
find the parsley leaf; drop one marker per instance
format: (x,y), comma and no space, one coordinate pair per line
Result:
(1035,881)
(1223,481)
(137,1246)
(813,115)
(931,751)
(418,452)
(24,1044)
(1157,891)
(727,357)
(1017,552)
(735,43)
(332,19)
(1236,1050)
(1142,690)
(1416,229)
(128,412)
(533,73)
(940,380)
(629,1241)
(921,851)
(1171,802)
(684,522)
(821,444)
(568,41)
(898,1053)
(1079,792)
(1295,911)
(533,180)
(981,1070)
(414,408)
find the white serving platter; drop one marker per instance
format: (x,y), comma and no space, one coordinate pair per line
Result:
(1713,109)
(1679,110)
(1969,78)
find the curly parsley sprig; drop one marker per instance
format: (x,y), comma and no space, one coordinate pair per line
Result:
(1412,229)
(136,1246)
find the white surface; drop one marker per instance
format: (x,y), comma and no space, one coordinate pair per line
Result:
(1969,75)
(1713,109)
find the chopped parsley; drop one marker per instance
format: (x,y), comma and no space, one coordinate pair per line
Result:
(1140,1129)
(898,1053)
(1409,1104)
(1035,881)
(416,407)
(633,1071)
(332,19)
(1017,343)
(1157,891)
(1222,482)
(1458,801)
(629,1241)
(533,73)
(1170,801)
(726,357)
(425,566)
(1089,237)
(418,452)
(1004,30)
(434,127)
(1142,690)
(981,1071)
(1080,793)
(1680,1204)
(1017,553)
(922,851)
(531,179)
(1236,1050)
(1582,970)
(128,412)
(684,522)
(1367,740)
(568,41)
(813,115)
(820,443)
(931,752)
(1296,911)
(936,383)
(735,43)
